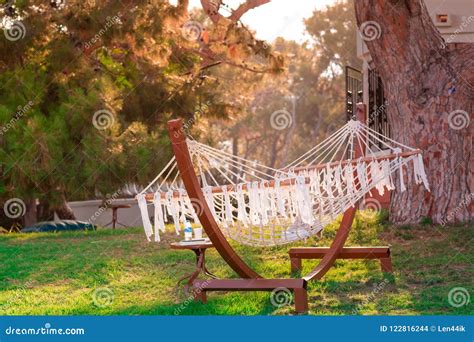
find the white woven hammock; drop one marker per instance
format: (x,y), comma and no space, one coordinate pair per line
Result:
(261,206)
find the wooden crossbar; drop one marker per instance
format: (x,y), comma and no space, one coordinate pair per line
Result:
(354,161)
(248,284)
(380,252)
(346,252)
(292,181)
(298,286)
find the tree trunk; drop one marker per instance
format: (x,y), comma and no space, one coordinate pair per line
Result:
(274,151)
(45,213)
(64,211)
(430,92)
(30,217)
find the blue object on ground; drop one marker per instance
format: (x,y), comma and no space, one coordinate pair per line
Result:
(58,226)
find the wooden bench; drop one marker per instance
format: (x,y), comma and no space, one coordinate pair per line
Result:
(381,253)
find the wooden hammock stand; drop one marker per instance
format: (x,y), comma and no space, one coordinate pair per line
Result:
(250,280)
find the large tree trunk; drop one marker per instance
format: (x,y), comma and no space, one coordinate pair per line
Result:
(430,92)
(64,211)
(30,217)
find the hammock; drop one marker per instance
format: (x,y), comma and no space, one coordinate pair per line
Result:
(258,205)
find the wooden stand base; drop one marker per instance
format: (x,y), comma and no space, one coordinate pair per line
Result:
(251,280)
(298,286)
(381,253)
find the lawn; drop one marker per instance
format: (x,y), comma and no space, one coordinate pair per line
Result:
(120,273)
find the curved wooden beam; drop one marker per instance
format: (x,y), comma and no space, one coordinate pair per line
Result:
(328,260)
(190,180)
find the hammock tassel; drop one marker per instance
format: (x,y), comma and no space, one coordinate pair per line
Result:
(210,201)
(264,203)
(280,199)
(145,218)
(377,176)
(173,209)
(388,175)
(362,175)
(420,174)
(182,206)
(402,182)
(351,189)
(228,206)
(337,178)
(254,203)
(241,212)
(303,200)
(159,223)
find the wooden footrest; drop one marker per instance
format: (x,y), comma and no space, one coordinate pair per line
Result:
(200,287)
(382,253)
(248,284)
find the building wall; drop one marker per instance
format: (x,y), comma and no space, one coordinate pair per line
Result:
(89,211)
(460,26)
(458,29)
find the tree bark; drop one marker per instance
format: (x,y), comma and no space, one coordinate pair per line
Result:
(64,211)
(44,211)
(30,217)
(430,91)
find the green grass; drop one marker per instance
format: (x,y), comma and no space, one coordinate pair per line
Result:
(57,274)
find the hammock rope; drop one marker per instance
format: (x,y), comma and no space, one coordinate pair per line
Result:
(259,205)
